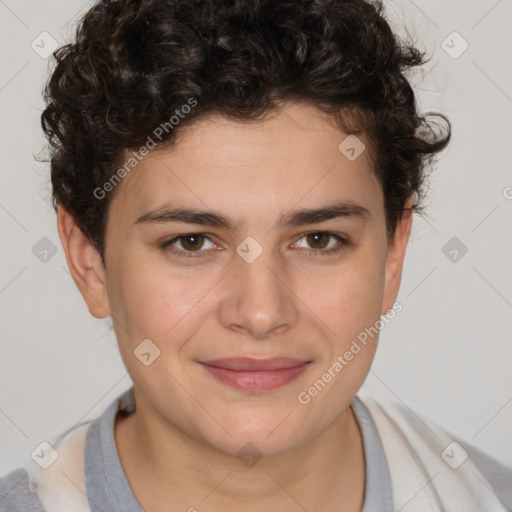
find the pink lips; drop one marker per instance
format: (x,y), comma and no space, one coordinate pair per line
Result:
(256,374)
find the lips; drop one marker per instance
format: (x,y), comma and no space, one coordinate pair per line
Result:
(256,365)
(256,375)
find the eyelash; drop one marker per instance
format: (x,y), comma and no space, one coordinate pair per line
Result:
(311,252)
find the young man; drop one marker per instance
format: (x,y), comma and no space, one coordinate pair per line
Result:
(235,183)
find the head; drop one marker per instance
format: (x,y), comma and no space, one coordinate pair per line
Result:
(286,137)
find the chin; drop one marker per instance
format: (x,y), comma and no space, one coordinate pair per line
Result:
(268,434)
(254,447)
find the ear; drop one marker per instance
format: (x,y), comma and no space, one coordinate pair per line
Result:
(84,263)
(395,259)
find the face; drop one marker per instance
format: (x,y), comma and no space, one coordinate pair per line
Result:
(254,279)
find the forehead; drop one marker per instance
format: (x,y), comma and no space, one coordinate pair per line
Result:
(290,158)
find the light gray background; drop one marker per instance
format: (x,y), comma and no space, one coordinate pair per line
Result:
(447,355)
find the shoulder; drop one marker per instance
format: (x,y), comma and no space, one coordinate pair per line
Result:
(497,474)
(55,482)
(414,444)
(16,495)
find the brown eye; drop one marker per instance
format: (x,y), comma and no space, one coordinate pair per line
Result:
(319,243)
(192,242)
(318,240)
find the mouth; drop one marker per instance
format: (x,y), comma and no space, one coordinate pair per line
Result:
(256,375)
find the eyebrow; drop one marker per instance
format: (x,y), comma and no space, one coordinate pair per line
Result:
(342,209)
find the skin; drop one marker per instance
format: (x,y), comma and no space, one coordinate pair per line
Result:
(188,426)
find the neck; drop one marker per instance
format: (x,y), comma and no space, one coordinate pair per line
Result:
(166,467)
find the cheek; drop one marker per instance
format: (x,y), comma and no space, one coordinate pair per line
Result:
(349,299)
(163,309)
(150,304)
(349,304)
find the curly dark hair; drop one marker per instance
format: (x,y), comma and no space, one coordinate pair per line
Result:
(136,63)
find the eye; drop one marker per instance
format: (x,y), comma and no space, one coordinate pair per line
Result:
(190,243)
(319,240)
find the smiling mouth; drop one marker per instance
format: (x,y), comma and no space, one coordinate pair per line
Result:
(256,375)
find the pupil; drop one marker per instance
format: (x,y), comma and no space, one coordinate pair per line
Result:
(191,241)
(317,238)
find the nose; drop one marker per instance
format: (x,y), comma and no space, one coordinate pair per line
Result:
(259,300)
